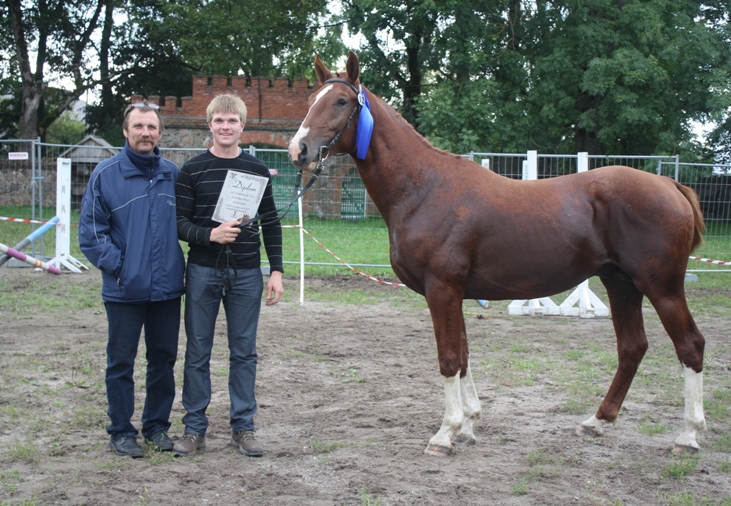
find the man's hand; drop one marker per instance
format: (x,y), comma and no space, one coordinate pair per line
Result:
(274,288)
(226,232)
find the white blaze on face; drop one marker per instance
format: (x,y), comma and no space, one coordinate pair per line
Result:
(294,144)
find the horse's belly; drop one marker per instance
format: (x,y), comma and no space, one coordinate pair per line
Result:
(526,271)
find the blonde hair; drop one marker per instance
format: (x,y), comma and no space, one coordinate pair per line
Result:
(226,103)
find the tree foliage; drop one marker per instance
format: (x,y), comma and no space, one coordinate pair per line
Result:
(603,76)
(557,76)
(164,43)
(47,36)
(65,130)
(150,47)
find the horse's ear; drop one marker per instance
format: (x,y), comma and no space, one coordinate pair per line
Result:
(353,67)
(322,72)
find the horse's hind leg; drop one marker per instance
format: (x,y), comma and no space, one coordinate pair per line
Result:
(689,345)
(471,407)
(625,301)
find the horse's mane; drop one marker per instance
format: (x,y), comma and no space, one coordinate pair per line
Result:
(400,119)
(409,127)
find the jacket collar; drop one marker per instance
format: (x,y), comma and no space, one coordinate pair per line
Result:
(143,165)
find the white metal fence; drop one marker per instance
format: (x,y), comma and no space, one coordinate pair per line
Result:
(339,199)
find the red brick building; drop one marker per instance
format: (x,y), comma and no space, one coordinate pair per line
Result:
(275,107)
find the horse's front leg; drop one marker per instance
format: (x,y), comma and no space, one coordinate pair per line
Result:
(445,307)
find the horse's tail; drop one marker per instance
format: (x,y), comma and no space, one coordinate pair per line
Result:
(700,225)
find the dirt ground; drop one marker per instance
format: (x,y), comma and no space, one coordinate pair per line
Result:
(349,394)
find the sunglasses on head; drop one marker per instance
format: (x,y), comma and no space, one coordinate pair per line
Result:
(143,105)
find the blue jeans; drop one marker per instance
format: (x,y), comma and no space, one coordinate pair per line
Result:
(241,303)
(161,321)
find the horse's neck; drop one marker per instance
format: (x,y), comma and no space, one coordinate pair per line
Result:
(395,166)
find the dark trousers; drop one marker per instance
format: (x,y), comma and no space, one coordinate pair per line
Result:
(161,322)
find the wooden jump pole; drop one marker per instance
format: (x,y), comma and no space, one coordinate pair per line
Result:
(32,237)
(28,259)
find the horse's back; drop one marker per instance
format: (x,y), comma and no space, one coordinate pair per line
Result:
(539,237)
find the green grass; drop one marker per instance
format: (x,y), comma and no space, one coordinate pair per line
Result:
(26,452)
(367,500)
(542,465)
(12,233)
(326,447)
(362,243)
(347,372)
(688,498)
(652,428)
(681,467)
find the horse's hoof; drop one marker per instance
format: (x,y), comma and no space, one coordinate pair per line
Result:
(461,439)
(438,450)
(685,450)
(583,430)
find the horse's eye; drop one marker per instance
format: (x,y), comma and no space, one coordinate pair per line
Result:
(342,102)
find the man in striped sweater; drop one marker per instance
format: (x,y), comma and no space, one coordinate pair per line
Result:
(224,265)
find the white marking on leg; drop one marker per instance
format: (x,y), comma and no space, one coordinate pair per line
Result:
(452,421)
(693,420)
(471,407)
(595,424)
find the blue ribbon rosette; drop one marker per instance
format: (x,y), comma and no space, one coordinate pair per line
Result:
(365,126)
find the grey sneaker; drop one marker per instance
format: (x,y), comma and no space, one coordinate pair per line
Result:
(125,446)
(246,442)
(160,441)
(189,444)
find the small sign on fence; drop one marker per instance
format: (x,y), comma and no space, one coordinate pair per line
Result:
(18,155)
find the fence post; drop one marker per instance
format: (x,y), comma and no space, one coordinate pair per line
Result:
(589,304)
(543,305)
(532,165)
(34,156)
(63,211)
(582,162)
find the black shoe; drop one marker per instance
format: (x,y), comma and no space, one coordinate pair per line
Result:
(160,440)
(125,446)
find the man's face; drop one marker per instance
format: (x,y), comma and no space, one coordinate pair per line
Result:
(226,128)
(142,131)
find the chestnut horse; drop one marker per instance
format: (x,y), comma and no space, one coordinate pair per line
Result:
(458,231)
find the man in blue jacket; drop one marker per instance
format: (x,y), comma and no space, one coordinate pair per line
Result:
(128,231)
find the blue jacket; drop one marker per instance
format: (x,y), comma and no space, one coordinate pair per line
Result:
(128,229)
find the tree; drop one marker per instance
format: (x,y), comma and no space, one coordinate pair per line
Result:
(627,77)
(161,45)
(149,47)
(599,76)
(65,130)
(720,139)
(399,38)
(58,34)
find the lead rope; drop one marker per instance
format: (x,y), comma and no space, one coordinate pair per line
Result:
(228,260)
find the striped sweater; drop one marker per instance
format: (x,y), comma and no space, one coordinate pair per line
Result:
(198,187)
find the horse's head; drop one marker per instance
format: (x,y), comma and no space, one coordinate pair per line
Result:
(330,124)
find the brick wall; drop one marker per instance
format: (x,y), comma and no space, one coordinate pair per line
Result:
(275,110)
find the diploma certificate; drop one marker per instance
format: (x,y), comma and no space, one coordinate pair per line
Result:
(240,197)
